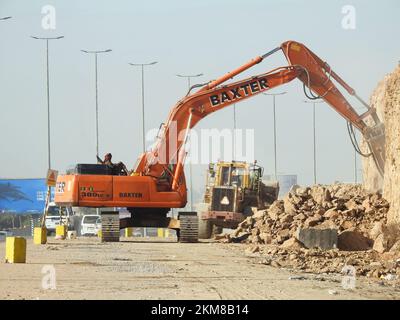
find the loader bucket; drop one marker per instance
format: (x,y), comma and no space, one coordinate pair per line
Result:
(375,137)
(270,191)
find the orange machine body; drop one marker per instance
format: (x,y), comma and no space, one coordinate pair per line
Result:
(115,191)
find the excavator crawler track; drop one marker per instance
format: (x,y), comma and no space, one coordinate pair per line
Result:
(189,227)
(110,226)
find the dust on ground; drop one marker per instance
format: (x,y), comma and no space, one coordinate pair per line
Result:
(85,268)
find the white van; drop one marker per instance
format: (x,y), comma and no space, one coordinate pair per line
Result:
(53,218)
(91,224)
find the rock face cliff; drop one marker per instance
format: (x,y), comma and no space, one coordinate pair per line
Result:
(386,100)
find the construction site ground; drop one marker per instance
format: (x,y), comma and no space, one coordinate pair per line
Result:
(157,268)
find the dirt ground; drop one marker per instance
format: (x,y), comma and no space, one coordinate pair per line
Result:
(163,269)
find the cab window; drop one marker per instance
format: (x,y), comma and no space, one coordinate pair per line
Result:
(238,176)
(55,211)
(225,176)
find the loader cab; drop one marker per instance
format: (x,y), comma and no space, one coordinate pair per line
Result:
(227,175)
(232,174)
(237,174)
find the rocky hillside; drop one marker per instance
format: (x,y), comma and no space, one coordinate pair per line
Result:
(386,100)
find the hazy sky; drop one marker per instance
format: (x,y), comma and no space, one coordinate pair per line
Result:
(209,36)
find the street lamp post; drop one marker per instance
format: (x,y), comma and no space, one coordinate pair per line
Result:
(142,65)
(97,96)
(274,117)
(190,164)
(48,196)
(314,138)
(48,92)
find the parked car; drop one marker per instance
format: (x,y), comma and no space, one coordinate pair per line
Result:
(91,224)
(4,235)
(54,219)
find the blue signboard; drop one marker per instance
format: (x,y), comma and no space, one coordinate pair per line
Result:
(22,195)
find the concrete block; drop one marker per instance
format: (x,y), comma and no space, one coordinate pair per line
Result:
(15,250)
(128,232)
(39,235)
(160,232)
(61,232)
(325,239)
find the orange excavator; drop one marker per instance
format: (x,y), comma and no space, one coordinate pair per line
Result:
(157,183)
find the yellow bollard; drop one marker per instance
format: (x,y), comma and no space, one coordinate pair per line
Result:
(128,232)
(15,250)
(61,232)
(39,235)
(160,232)
(99,234)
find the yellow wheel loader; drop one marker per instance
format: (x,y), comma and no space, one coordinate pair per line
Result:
(234,190)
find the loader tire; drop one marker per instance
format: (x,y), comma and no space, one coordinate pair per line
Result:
(205,229)
(189,227)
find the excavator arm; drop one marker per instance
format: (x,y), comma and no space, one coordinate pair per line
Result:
(316,75)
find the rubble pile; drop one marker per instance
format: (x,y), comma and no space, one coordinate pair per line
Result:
(344,207)
(358,216)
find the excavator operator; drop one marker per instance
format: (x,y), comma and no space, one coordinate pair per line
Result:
(118,169)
